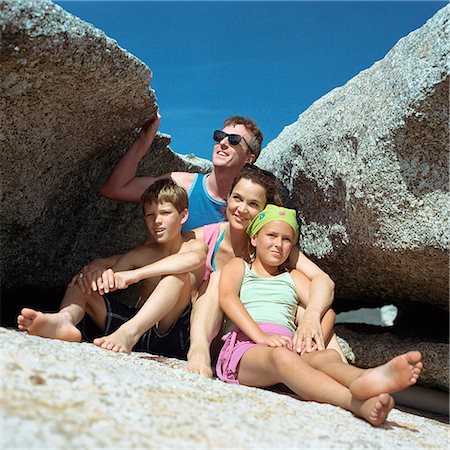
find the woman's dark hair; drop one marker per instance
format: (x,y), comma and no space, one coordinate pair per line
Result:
(264,178)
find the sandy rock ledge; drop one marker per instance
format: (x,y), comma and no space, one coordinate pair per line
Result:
(64,395)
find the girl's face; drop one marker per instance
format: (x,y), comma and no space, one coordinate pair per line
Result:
(246,200)
(274,242)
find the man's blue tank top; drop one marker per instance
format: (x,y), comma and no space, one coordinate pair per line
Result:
(203,209)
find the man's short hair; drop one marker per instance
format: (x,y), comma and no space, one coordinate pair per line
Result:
(252,127)
(166,190)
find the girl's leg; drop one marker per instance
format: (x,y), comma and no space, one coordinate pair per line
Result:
(396,375)
(62,325)
(265,366)
(206,322)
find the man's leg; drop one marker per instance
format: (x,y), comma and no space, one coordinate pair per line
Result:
(163,307)
(206,322)
(62,325)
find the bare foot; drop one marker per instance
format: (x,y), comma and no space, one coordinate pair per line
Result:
(397,374)
(55,326)
(376,409)
(121,341)
(199,363)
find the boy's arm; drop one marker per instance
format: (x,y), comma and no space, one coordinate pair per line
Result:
(131,267)
(229,286)
(191,256)
(90,272)
(317,300)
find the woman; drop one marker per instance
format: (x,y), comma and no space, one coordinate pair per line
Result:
(251,190)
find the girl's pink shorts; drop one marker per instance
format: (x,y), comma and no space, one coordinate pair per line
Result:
(236,344)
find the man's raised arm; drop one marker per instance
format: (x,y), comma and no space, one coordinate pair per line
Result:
(122,183)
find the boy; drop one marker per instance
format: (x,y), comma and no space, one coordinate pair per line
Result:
(170,268)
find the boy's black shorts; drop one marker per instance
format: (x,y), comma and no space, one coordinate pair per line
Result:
(174,343)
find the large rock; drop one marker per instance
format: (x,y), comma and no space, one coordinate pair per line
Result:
(65,395)
(70,102)
(374,345)
(367,167)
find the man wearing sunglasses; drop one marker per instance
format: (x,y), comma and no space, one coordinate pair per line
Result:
(237,144)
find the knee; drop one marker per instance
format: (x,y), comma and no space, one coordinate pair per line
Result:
(316,359)
(282,358)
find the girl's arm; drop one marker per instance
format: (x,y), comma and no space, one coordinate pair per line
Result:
(229,287)
(320,298)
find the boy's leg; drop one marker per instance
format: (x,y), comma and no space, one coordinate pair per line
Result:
(169,298)
(265,366)
(62,325)
(206,322)
(396,375)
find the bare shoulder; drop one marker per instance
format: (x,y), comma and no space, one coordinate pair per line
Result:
(198,233)
(191,243)
(183,179)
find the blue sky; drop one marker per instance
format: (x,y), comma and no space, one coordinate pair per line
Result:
(266,60)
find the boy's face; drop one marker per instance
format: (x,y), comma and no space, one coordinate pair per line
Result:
(163,221)
(274,242)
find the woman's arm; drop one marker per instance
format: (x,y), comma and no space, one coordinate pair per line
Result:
(318,301)
(229,287)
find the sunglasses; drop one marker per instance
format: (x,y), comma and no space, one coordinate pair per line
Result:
(233,139)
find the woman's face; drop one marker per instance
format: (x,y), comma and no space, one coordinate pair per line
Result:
(246,200)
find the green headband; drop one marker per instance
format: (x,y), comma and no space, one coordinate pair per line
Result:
(271,213)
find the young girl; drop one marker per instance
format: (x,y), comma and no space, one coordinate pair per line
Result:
(251,190)
(261,299)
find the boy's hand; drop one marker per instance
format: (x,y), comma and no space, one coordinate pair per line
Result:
(308,337)
(87,275)
(103,281)
(125,279)
(274,340)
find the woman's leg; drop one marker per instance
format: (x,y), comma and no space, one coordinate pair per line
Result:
(206,322)
(265,366)
(396,375)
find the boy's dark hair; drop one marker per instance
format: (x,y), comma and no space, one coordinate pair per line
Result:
(264,178)
(166,190)
(252,127)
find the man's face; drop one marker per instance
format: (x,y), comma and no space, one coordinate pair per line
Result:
(163,221)
(233,156)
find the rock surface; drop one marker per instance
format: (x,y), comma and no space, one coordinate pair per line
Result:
(64,395)
(367,167)
(361,339)
(70,102)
